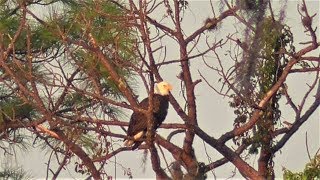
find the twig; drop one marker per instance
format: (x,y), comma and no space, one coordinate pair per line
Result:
(307,146)
(165,160)
(44,130)
(174,133)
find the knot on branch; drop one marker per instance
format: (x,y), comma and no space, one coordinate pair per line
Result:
(211,23)
(307,21)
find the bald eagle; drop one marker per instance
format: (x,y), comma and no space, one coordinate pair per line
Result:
(138,121)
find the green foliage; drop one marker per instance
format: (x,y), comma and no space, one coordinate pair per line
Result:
(270,41)
(249,5)
(14,174)
(114,36)
(75,100)
(310,172)
(253,9)
(14,109)
(9,26)
(269,70)
(93,147)
(273,37)
(42,61)
(93,68)
(41,39)
(82,18)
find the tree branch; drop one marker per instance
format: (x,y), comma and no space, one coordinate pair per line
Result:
(245,169)
(257,113)
(80,153)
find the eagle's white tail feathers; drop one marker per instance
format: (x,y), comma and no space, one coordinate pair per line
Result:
(129,142)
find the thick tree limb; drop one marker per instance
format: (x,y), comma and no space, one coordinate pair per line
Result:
(245,169)
(257,113)
(80,153)
(296,125)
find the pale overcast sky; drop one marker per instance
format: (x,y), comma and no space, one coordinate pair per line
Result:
(215,115)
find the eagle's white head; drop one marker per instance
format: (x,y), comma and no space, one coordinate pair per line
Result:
(163,88)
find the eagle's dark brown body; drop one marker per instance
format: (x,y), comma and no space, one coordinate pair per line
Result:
(138,121)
